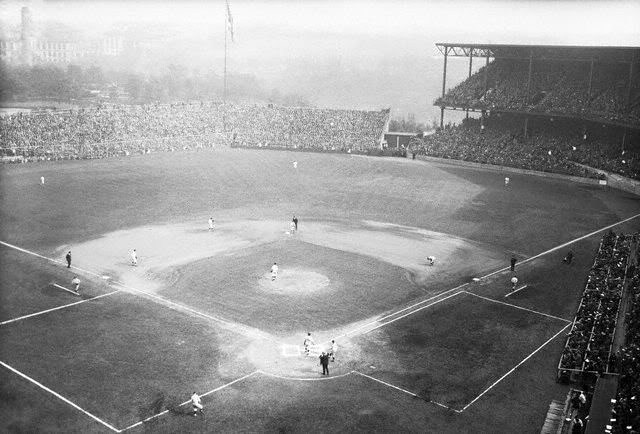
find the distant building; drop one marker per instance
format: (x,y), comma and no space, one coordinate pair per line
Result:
(28,49)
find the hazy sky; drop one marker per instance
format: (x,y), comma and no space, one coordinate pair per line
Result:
(369,54)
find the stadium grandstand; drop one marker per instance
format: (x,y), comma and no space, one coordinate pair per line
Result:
(102,132)
(574,111)
(571,110)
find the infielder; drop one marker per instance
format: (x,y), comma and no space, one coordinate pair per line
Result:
(274,271)
(76,283)
(431,259)
(210,223)
(514,282)
(134,257)
(197,405)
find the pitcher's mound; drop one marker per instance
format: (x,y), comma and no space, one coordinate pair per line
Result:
(295,281)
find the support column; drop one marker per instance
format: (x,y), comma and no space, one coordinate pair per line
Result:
(444,84)
(629,84)
(469,76)
(527,96)
(486,75)
(591,77)
(526,127)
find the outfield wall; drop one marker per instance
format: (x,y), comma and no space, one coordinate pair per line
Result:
(613,180)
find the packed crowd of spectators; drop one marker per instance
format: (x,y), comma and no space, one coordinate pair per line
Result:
(307,128)
(550,146)
(100,132)
(626,410)
(589,343)
(125,130)
(556,87)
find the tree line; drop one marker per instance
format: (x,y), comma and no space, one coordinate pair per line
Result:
(174,83)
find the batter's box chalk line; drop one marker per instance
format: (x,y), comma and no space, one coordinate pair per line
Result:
(289,350)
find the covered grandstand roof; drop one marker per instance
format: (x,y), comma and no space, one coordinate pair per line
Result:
(551,52)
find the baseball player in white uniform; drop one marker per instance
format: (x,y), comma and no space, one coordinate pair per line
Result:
(274,271)
(134,257)
(308,341)
(197,405)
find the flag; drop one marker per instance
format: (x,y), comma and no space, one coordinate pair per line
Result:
(229,21)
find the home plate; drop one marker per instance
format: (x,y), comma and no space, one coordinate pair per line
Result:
(290,350)
(475,279)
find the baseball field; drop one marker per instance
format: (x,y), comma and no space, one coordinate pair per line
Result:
(442,348)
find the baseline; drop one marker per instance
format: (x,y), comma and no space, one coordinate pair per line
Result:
(282,377)
(150,295)
(400,317)
(57,308)
(403,390)
(64,289)
(402,310)
(568,243)
(518,307)
(519,289)
(62,398)
(188,401)
(514,368)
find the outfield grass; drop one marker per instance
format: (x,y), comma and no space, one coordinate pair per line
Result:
(118,355)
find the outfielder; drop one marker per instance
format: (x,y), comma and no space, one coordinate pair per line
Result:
(274,271)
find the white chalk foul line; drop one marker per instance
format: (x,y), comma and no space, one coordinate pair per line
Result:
(400,311)
(484,277)
(66,289)
(57,308)
(518,307)
(20,249)
(515,367)
(282,377)
(561,246)
(403,390)
(516,290)
(132,289)
(188,401)
(57,395)
(400,317)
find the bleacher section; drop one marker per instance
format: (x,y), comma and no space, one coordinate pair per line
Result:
(588,348)
(557,87)
(625,417)
(125,130)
